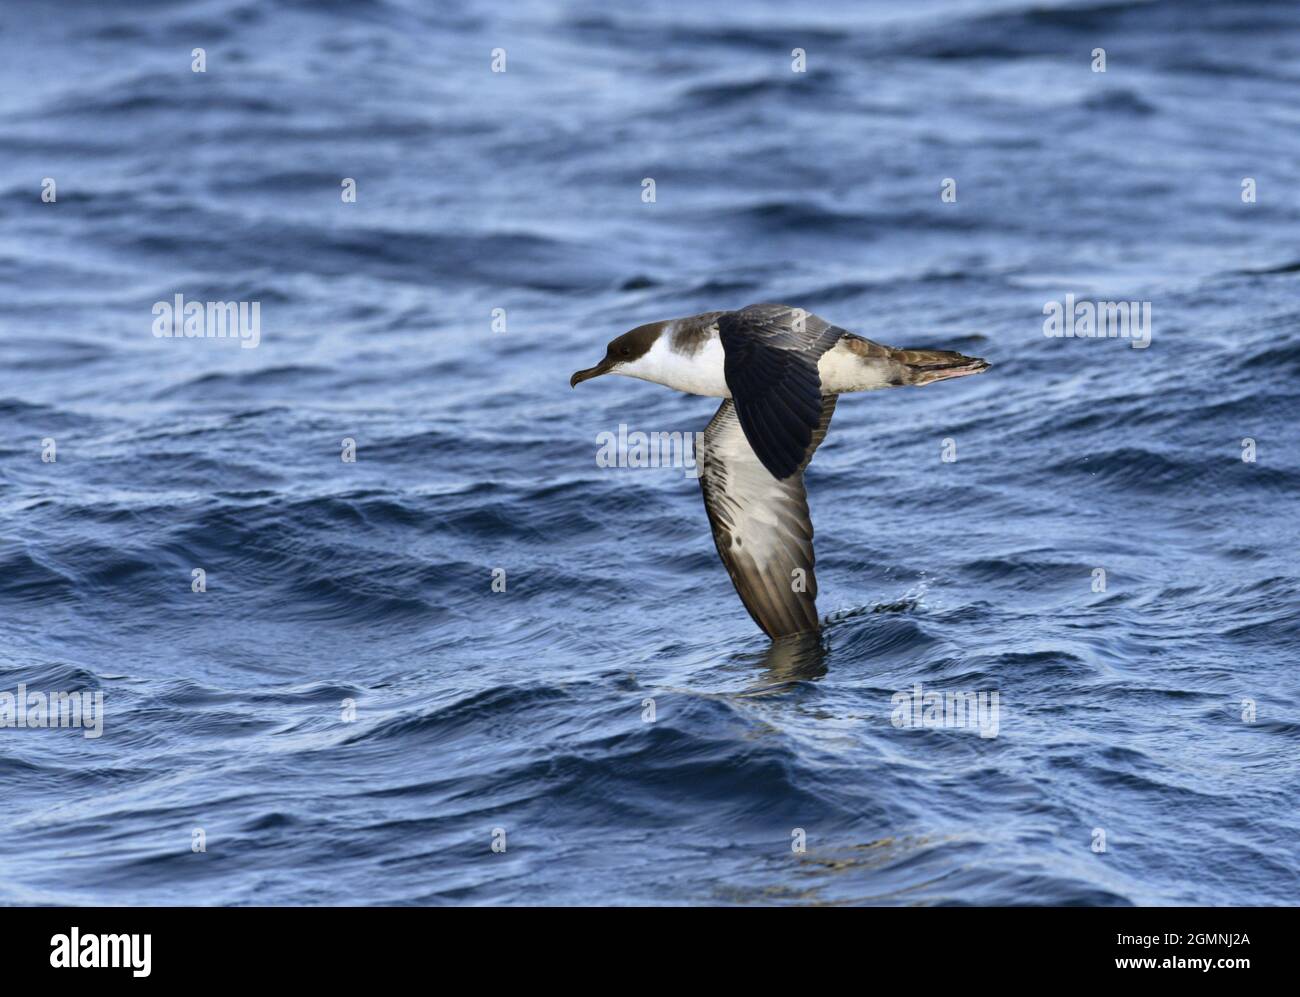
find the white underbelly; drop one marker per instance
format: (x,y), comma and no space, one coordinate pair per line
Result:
(702,373)
(842,370)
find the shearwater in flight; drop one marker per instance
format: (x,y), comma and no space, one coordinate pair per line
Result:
(780,371)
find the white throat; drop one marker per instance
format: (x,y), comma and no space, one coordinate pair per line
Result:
(698,373)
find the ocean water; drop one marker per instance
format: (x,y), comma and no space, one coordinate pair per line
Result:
(350,714)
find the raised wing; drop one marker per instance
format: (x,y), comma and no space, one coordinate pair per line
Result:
(770,363)
(761,525)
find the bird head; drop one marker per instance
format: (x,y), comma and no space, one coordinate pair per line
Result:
(622,354)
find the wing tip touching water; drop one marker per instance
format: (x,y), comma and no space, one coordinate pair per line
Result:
(761,525)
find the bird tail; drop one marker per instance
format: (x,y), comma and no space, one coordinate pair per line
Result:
(925,366)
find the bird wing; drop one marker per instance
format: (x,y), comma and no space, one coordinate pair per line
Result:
(770,355)
(760,523)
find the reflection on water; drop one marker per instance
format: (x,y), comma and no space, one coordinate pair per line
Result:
(793,659)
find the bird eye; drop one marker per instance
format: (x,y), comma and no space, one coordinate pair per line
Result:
(624,350)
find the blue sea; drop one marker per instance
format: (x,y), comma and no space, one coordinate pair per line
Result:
(472,666)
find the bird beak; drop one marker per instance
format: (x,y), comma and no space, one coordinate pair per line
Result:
(586,375)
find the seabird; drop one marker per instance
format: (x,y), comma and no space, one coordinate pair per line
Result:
(779,371)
